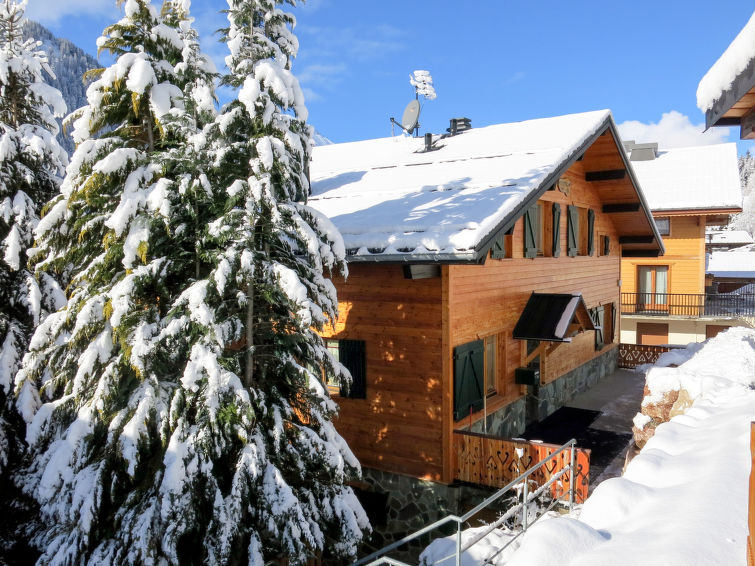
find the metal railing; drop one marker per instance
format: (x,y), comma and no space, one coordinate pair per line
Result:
(524,498)
(688,304)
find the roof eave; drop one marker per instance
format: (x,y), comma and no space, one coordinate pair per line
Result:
(741,85)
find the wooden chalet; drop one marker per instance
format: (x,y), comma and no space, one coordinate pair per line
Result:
(665,299)
(726,94)
(483,284)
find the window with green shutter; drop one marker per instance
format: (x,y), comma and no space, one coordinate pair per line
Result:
(598,317)
(572,230)
(556,230)
(351,353)
(590,232)
(498,251)
(531,223)
(469,378)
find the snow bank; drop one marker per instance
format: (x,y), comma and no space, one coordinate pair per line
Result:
(683,498)
(723,72)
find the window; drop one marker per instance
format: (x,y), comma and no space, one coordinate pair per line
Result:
(533,231)
(572,230)
(664,226)
(474,375)
(556,230)
(652,286)
(351,353)
(490,365)
(602,318)
(605,245)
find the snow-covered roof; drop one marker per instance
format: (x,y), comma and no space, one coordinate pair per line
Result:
(732,62)
(731,237)
(691,178)
(731,264)
(391,199)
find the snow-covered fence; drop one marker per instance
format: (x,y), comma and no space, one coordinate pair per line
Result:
(530,502)
(633,355)
(492,461)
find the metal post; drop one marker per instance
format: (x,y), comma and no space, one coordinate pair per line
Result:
(573,482)
(525,492)
(458,544)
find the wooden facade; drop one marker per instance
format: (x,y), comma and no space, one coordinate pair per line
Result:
(685,257)
(411,327)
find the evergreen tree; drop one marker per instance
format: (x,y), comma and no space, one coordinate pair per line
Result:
(182,415)
(31,164)
(745,220)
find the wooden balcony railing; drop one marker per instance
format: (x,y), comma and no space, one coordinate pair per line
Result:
(493,461)
(689,305)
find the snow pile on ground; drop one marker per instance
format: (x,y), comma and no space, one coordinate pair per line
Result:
(723,72)
(683,499)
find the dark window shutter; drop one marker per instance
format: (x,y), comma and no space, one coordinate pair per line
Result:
(530,244)
(590,232)
(572,230)
(614,321)
(499,248)
(469,376)
(606,245)
(352,355)
(556,229)
(598,315)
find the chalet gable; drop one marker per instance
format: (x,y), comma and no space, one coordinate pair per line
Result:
(401,200)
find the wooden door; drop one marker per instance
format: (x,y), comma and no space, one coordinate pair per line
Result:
(652,333)
(712,329)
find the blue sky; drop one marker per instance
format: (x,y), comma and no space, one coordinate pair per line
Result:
(492,60)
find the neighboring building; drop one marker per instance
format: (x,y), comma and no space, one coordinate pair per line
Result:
(730,271)
(724,240)
(447,239)
(726,94)
(664,299)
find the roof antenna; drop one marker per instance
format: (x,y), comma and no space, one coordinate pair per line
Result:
(423,84)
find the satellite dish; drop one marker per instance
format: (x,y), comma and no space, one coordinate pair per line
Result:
(411,116)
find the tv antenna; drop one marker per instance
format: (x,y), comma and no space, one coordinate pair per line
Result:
(423,84)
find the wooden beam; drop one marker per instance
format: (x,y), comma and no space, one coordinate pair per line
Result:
(747,126)
(610,175)
(649,239)
(622,207)
(640,253)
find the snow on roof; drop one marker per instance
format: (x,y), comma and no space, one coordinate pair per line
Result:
(389,197)
(734,60)
(730,237)
(702,177)
(731,264)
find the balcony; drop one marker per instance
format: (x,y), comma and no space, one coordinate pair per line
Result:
(688,305)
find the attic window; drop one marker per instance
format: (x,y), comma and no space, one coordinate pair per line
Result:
(664,225)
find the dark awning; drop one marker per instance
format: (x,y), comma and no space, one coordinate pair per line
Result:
(553,317)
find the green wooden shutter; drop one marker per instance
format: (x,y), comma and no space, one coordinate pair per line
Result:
(606,245)
(614,321)
(598,315)
(590,232)
(572,230)
(556,249)
(499,248)
(351,354)
(469,378)
(530,244)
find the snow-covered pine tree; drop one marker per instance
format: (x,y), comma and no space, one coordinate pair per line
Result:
(31,167)
(153,440)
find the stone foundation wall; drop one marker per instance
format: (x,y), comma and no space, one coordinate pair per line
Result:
(541,401)
(406,504)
